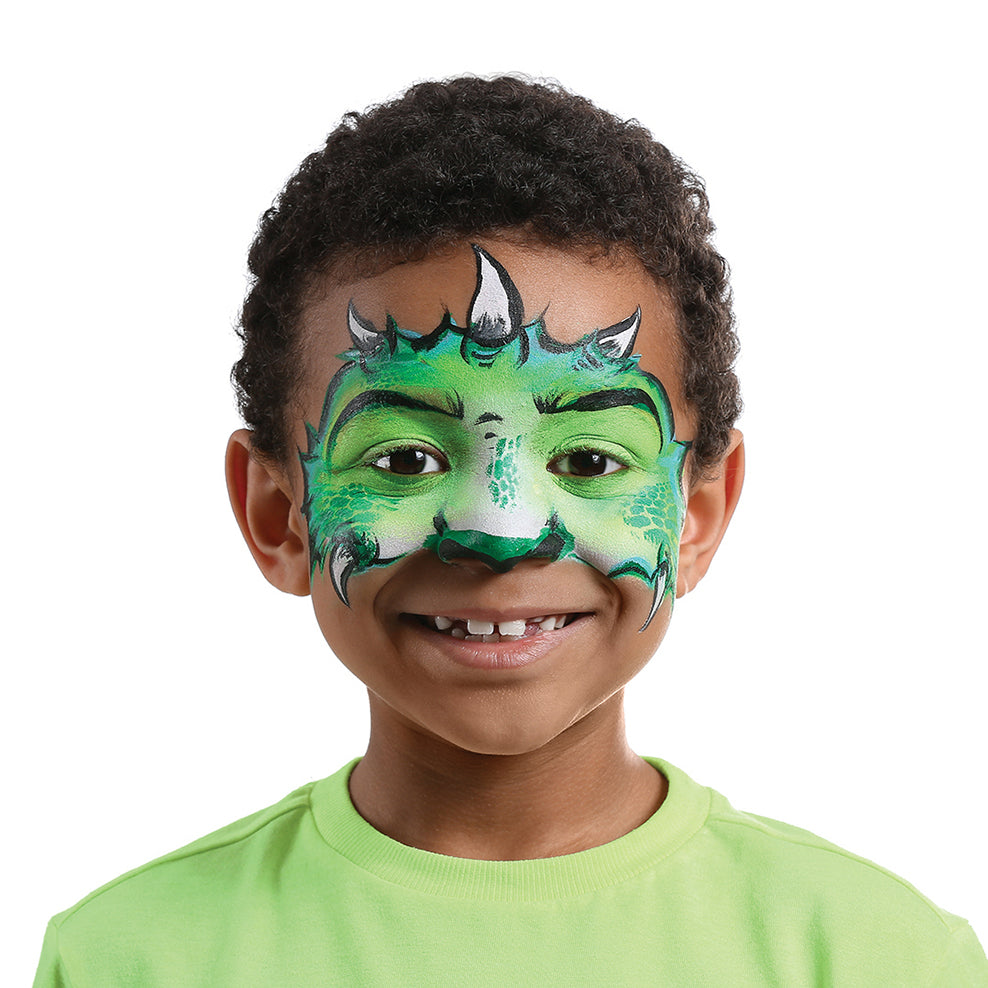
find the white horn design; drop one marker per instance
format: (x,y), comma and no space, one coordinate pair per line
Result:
(659,593)
(496,309)
(366,338)
(618,341)
(341,564)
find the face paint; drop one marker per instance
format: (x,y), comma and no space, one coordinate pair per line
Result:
(495,442)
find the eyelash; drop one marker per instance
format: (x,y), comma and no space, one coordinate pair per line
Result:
(618,465)
(430,454)
(439,463)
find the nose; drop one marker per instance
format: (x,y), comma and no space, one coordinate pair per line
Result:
(498,553)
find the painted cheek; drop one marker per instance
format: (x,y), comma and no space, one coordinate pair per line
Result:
(655,517)
(642,527)
(384,528)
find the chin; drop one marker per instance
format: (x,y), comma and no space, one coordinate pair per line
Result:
(509,744)
(504,732)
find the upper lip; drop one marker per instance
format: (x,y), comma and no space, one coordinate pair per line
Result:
(497,614)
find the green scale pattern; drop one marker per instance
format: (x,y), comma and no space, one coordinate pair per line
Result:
(497,418)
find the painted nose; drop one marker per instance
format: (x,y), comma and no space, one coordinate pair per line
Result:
(498,552)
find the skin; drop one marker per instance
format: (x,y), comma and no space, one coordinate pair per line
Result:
(502,450)
(520,758)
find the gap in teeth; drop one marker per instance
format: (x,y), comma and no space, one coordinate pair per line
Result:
(473,629)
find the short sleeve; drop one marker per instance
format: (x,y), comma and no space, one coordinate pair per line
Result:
(51,971)
(964,965)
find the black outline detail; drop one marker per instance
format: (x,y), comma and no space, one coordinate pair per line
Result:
(344,549)
(608,342)
(380,398)
(449,551)
(661,577)
(597,401)
(484,320)
(368,339)
(428,341)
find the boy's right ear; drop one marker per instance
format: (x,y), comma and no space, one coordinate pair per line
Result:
(270,520)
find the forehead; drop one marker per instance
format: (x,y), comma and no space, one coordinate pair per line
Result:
(577,292)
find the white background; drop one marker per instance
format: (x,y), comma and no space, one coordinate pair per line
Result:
(829,671)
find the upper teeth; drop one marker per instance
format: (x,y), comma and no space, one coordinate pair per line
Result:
(514,629)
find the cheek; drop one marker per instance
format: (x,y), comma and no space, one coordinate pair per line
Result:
(655,516)
(637,643)
(643,526)
(353,632)
(385,526)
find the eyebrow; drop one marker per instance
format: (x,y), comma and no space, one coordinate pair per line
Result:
(378,398)
(598,401)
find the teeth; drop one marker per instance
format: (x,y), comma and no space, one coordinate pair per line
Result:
(489,631)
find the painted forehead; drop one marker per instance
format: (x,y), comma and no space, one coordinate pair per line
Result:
(435,371)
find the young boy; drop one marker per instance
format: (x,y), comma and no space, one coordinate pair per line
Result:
(487,374)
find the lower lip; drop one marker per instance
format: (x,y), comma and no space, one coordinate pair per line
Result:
(501,655)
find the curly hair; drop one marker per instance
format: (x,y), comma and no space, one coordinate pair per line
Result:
(471,157)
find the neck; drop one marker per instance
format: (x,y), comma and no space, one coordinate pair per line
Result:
(583,788)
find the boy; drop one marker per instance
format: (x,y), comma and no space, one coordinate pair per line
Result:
(487,375)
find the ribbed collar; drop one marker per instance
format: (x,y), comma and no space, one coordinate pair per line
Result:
(681,815)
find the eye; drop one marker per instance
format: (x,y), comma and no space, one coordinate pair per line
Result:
(411,460)
(585,463)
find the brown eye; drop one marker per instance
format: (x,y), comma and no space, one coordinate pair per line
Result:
(409,462)
(585,463)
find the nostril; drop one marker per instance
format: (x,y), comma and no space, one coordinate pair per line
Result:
(475,550)
(498,553)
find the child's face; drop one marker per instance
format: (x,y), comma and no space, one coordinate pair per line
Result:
(503,464)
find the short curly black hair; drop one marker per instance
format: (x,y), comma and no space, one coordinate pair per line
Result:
(470,157)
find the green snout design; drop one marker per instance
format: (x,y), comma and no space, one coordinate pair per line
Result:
(499,552)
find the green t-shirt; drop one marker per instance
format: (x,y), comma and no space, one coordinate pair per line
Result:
(308,893)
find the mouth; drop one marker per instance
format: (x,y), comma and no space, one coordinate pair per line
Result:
(496,631)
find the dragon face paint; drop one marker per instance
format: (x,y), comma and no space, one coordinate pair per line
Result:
(493,441)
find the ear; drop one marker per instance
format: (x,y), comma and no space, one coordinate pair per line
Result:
(270,520)
(709,507)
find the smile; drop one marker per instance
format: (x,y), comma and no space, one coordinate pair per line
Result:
(477,630)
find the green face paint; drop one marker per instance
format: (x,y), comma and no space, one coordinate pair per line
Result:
(495,442)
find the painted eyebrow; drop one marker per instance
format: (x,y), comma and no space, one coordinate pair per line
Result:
(597,401)
(377,398)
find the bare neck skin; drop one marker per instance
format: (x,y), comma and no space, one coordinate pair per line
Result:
(583,788)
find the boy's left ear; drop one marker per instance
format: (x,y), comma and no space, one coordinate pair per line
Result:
(709,507)
(269,519)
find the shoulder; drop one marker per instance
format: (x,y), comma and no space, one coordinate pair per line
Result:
(798,862)
(237,894)
(790,861)
(176,890)
(789,886)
